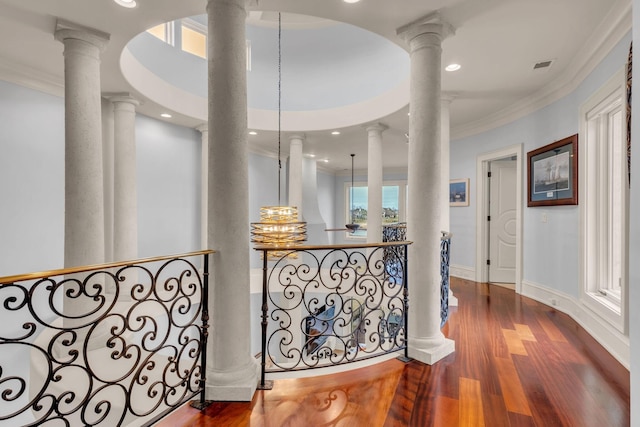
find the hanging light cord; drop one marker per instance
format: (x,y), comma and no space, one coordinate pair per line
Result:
(279,99)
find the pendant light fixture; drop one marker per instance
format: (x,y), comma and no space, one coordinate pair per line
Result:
(352,227)
(279,226)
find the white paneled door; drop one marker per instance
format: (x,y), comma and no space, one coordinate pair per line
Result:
(502,221)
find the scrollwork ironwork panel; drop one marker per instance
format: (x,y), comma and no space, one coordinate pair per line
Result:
(103,347)
(334,306)
(394,232)
(445,245)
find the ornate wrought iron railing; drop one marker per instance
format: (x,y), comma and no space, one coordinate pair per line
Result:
(333,305)
(394,232)
(445,245)
(398,232)
(103,345)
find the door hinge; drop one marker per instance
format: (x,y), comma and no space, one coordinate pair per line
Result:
(489,174)
(488,262)
(488,217)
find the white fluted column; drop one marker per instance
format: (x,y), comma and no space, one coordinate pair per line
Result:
(125,203)
(84,224)
(445,137)
(204,195)
(295,173)
(231,369)
(107,162)
(426,341)
(84,196)
(374,182)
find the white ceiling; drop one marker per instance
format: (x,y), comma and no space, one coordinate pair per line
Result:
(496,41)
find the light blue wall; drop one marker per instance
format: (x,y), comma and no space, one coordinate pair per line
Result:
(31,180)
(32,183)
(263,191)
(550,249)
(168,161)
(327,200)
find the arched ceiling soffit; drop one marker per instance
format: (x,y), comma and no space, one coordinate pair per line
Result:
(333,74)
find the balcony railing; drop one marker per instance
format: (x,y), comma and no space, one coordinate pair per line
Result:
(333,305)
(445,245)
(106,345)
(398,233)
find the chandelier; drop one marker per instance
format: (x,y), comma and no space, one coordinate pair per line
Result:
(279,226)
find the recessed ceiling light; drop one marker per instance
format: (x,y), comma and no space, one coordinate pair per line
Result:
(253,132)
(165,115)
(326,160)
(453,67)
(126,3)
(335,132)
(311,155)
(351,1)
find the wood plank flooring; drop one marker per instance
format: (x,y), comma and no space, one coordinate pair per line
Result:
(517,363)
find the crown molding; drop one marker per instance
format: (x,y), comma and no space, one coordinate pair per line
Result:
(363,172)
(603,39)
(264,153)
(320,167)
(31,78)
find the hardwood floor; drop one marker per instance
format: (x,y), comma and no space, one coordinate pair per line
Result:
(517,363)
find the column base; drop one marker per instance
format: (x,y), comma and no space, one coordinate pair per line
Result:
(453,300)
(238,386)
(431,354)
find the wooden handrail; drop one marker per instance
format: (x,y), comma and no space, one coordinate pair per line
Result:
(320,247)
(72,270)
(446,235)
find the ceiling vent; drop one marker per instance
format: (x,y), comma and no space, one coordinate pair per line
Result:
(543,65)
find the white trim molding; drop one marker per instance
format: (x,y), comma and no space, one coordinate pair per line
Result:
(462,272)
(598,168)
(613,28)
(482,210)
(31,78)
(616,343)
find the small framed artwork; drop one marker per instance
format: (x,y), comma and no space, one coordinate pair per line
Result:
(552,174)
(459,192)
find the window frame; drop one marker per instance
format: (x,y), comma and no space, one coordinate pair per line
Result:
(597,206)
(402,202)
(169,33)
(196,27)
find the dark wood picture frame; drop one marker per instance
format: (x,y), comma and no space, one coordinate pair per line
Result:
(552,174)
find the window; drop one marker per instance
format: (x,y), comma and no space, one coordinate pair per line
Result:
(604,202)
(393,205)
(164,32)
(194,38)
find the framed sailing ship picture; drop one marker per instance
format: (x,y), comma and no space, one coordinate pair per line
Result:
(552,174)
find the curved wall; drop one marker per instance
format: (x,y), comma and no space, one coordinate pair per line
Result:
(550,249)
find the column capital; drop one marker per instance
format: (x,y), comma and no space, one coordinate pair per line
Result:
(297,136)
(242,4)
(66,30)
(447,97)
(203,127)
(122,98)
(375,127)
(430,24)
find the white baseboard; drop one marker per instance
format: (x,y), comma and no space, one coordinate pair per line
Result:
(462,272)
(605,334)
